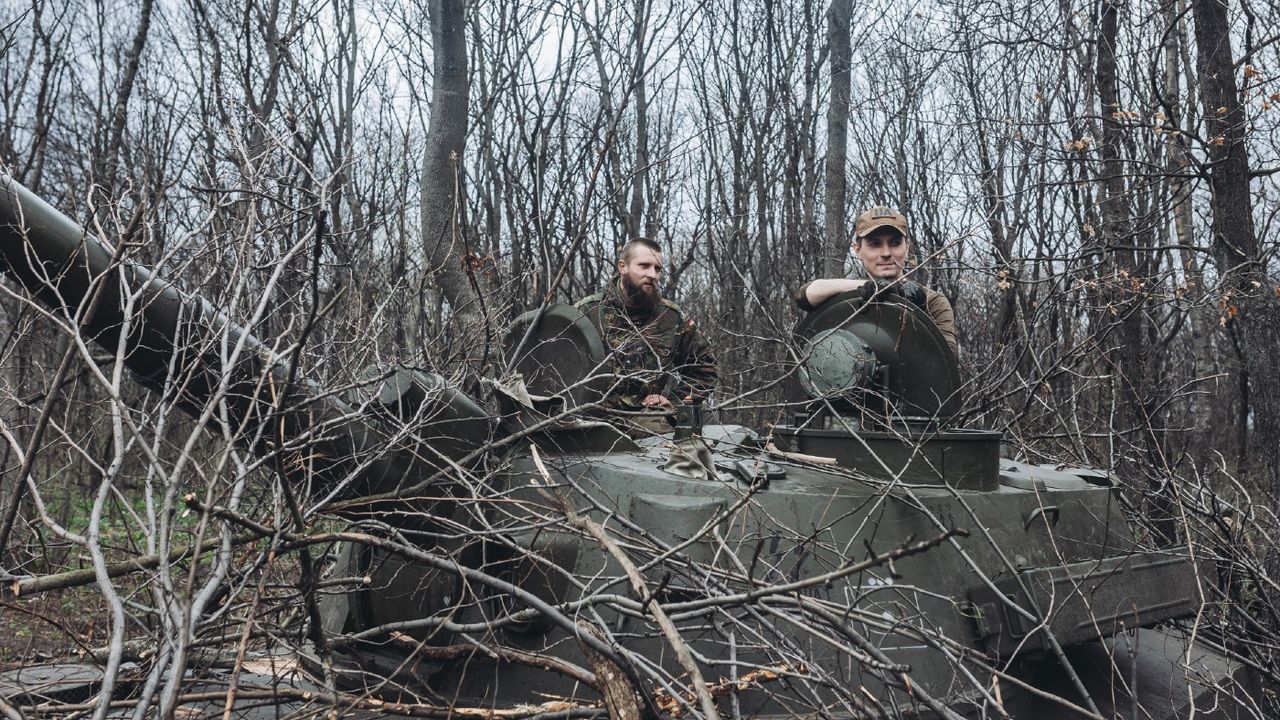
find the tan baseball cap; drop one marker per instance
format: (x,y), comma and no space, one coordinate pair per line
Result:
(879,217)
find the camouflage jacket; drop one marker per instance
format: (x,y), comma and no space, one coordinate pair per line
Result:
(657,354)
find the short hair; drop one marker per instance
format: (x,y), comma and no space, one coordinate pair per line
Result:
(632,245)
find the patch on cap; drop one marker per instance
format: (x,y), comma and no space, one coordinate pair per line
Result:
(879,217)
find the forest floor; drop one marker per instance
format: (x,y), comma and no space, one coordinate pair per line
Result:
(50,627)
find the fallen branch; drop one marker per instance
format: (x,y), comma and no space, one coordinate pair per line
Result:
(799,457)
(34,584)
(723,688)
(506,654)
(558,708)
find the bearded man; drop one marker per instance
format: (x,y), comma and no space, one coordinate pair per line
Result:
(659,359)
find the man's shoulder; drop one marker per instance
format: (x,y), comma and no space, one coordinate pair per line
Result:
(675,320)
(589,300)
(934,296)
(674,317)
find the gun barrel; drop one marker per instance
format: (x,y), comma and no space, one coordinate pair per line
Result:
(185,346)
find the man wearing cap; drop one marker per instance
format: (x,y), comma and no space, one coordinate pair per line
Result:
(882,243)
(658,356)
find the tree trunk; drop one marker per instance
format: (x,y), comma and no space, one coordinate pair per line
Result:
(1246,287)
(836,244)
(640,175)
(1123,289)
(443,234)
(106,165)
(1200,319)
(995,210)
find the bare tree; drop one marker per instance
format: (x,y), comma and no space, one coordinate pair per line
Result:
(1248,290)
(453,262)
(837,132)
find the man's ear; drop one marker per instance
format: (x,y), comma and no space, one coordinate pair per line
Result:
(622,267)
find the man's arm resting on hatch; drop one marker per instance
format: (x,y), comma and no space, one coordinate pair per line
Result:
(816,292)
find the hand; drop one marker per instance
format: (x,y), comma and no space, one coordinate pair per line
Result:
(657,401)
(872,288)
(913,292)
(903,288)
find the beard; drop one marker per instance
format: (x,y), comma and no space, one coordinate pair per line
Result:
(640,297)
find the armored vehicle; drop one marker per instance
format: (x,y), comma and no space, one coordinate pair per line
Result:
(863,558)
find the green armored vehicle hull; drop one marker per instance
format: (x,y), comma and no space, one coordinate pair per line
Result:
(860,594)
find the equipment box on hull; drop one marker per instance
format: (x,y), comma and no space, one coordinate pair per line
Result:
(963,459)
